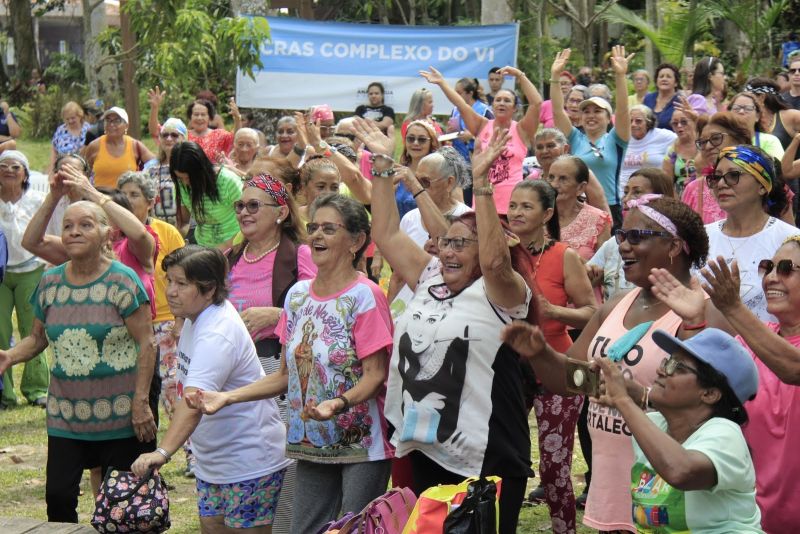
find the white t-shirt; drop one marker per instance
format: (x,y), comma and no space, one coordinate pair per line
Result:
(730,506)
(14,219)
(242,441)
(608,258)
(648,151)
(748,251)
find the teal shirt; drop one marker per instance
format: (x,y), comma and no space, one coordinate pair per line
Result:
(93,375)
(219,223)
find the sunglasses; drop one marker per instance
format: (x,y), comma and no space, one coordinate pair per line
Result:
(731,178)
(670,365)
(328,228)
(634,236)
(426,182)
(794,71)
(456,243)
(597,151)
(252,206)
(168,135)
(714,139)
(682,122)
(783,267)
(740,108)
(13,167)
(413,140)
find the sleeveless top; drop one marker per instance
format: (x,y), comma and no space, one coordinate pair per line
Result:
(779,131)
(609,504)
(107,168)
(581,234)
(548,275)
(506,171)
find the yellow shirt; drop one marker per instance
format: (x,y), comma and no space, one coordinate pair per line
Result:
(169,239)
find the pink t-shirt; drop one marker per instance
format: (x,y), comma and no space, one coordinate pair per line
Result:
(128,258)
(251,283)
(506,171)
(711,210)
(773,435)
(581,234)
(546,114)
(609,505)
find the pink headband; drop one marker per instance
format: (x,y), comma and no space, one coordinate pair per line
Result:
(659,218)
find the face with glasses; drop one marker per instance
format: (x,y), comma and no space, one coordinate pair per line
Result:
(257,213)
(643,246)
(677,383)
(712,139)
(574,99)
(323,180)
(458,252)
(438,186)
(331,243)
(746,108)
(114,125)
(12,174)
(681,125)
(794,72)
(169,139)
(417,142)
(780,280)
(734,188)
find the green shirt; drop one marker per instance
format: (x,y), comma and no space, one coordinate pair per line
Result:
(93,375)
(219,223)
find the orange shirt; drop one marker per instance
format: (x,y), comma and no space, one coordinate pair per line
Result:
(107,168)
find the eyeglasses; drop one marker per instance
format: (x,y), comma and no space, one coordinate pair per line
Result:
(456,243)
(286,132)
(794,71)
(252,206)
(670,365)
(328,228)
(740,108)
(14,167)
(682,122)
(714,139)
(597,151)
(111,121)
(426,182)
(783,267)
(168,135)
(731,178)
(413,140)
(574,100)
(634,236)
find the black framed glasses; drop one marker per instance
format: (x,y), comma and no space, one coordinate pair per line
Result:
(113,121)
(328,228)
(743,108)
(173,135)
(671,365)
(456,243)
(252,206)
(731,178)
(413,140)
(794,71)
(783,267)
(634,236)
(715,139)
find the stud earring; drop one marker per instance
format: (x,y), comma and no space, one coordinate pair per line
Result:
(278,221)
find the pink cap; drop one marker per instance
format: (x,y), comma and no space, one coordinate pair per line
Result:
(322,113)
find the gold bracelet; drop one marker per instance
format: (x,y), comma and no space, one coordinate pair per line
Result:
(103,200)
(555,81)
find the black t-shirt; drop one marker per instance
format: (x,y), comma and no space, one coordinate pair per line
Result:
(793,101)
(375,113)
(95,131)
(4,124)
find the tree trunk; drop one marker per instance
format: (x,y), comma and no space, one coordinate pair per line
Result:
(496,12)
(90,52)
(129,88)
(24,42)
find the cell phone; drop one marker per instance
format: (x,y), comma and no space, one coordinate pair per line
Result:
(581,379)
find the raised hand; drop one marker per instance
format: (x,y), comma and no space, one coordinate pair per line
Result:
(612,383)
(687,302)
(234,109)
(524,338)
(155,96)
(483,158)
(619,61)
(373,138)
(686,108)
(722,283)
(560,63)
(508,70)
(302,132)
(433,76)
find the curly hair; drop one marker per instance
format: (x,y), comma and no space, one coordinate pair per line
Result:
(689,225)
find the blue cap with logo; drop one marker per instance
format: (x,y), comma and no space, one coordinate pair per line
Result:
(722,352)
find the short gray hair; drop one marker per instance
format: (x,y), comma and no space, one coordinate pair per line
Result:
(246,131)
(547,133)
(603,89)
(649,116)
(451,163)
(141,180)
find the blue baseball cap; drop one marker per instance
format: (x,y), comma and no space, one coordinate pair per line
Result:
(722,352)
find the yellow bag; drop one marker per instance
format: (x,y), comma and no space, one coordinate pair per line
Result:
(435,503)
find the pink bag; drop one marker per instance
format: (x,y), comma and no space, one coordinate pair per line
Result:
(387,514)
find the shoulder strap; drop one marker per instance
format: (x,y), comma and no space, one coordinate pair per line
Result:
(284,271)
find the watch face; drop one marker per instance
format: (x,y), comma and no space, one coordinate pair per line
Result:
(578,377)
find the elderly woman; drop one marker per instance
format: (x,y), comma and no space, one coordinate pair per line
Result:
(455,392)
(95,312)
(376,109)
(680,161)
(743,183)
(748,107)
(216,143)
(114,152)
(69,137)
(336,330)
(172,132)
(572,104)
(565,299)
(662,101)
(641,82)
(240,459)
(773,432)
(420,108)
(657,232)
(18,204)
(205,193)
(647,146)
(708,85)
(506,171)
(271,258)
(692,470)
(286,139)
(245,150)
(602,150)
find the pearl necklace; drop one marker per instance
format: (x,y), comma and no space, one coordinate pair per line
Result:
(259,258)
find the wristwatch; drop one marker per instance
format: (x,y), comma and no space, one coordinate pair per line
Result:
(297,150)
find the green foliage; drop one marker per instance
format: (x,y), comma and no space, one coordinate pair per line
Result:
(42,114)
(65,70)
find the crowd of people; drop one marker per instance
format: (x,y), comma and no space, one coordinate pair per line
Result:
(325,314)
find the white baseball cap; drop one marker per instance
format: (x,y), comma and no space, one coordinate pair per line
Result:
(117,111)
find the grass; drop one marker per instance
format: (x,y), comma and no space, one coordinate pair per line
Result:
(23,451)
